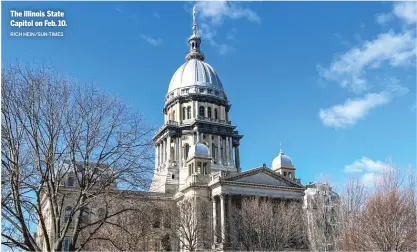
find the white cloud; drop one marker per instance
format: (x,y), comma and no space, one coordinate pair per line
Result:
(369,179)
(366,164)
(406,11)
(347,114)
(349,69)
(119,10)
(369,170)
(151,40)
(218,11)
(213,14)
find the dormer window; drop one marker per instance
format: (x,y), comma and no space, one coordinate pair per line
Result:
(202,90)
(209,91)
(216,93)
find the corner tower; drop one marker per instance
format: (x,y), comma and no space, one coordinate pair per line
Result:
(196,110)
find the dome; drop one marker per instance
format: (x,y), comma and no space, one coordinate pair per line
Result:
(282,160)
(198,149)
(195,72)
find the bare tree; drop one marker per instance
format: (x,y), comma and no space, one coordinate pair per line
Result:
(191,223)
(65,146)
(137,230)
(268,225)
(384,219)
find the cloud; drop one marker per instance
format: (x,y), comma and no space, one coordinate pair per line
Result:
(218,11)
(119,10)
(369,170)
(406,11)
(349,69)
(350,112)
(213,14)
(347,114)
(151,40)
(156,14)
(366,164)
(369,179)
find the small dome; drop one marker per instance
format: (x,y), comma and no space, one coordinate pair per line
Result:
(199,149)
(195,72)
(282,160)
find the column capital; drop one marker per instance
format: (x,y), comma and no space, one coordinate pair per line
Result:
(223,195)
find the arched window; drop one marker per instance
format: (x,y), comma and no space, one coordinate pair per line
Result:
(215,114)
(68,210)
(184,113)
(85,215)
(70,181)
(101,213)
(209,112)
(173,116)
(186,149)
(201,111)
(189,112)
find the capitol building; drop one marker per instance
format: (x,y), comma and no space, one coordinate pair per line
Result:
(197,160)
(197,152)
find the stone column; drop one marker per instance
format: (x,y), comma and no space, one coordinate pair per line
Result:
(219,155)
(178,114)
(201,137)
(175,149)
(223,218)
(229,214)
(168,148)
(180,152)
(162,151)
(156,155)
(237,159)
(214,219)
(210,146)
(227,150)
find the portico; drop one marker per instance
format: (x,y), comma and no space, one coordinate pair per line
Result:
(228,191)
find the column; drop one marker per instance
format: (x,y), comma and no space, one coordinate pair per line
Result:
(231,150)
(214,219)
(227,150)
(175,149)
(210,146)
(201,137)
(223,218)
(219,155)
(180,152)
(237,160)
(168,148)
(178,119)
(229,214)
(156,155)
(162,151)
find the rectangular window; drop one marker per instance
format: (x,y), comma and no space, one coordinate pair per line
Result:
(66,244)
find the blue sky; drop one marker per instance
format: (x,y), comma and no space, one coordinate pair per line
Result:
(335,82)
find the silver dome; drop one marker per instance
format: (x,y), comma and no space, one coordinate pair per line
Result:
(282,160)
(195,72)
(199,149)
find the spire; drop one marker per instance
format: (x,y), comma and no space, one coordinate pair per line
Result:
(194,41)
(195,28)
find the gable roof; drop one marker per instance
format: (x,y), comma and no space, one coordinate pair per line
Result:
(256,175)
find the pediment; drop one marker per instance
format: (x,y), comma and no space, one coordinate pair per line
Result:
(262,176)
